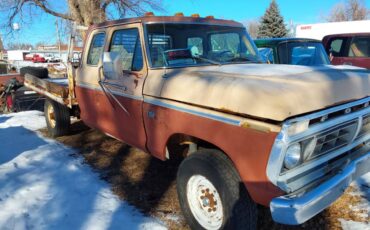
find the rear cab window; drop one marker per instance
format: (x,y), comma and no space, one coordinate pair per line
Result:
(96,49)
(195,44)
(158,43)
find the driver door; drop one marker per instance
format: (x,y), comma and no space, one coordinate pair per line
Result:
(123,92)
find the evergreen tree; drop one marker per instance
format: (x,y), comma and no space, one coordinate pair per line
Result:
(272,23)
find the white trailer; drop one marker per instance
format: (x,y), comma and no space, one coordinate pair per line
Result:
(320,30)
(17,55)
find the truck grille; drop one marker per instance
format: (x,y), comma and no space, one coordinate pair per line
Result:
(335,138)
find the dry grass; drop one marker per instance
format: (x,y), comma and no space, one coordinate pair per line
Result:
(149,184)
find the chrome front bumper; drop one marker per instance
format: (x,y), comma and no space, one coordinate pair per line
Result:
(296,210)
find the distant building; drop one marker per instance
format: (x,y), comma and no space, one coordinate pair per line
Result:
(320,30)
(63,47)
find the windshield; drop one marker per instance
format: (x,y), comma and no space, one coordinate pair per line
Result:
(303,53)
(179,45)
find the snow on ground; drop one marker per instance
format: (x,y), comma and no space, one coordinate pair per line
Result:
(43,185)
(362,190)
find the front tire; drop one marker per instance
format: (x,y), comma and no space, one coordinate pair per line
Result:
(57,118)
(211,194)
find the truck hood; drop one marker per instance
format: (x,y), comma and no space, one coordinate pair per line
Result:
(274,92)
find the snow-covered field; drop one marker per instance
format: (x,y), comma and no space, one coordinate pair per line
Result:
(44,185)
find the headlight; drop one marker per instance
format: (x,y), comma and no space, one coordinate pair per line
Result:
(292,156)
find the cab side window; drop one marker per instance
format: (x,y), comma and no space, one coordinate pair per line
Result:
(337,46)
(360,47)
(127,44)
(96,49)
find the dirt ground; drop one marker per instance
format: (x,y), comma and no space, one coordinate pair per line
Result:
(149,184)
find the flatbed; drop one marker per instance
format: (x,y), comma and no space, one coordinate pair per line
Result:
(56,89)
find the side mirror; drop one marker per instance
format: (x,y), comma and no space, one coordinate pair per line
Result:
(75,60)
(112,65)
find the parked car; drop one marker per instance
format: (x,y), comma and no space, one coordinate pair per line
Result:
(290,138)
(37,58)
(348,49)
(292,51)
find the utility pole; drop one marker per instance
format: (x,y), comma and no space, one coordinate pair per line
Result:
(58,36)
(1,49)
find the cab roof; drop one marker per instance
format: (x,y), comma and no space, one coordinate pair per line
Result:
(168,19)
(277,41)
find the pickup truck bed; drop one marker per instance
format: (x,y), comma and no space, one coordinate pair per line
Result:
(54,88)
(4,78)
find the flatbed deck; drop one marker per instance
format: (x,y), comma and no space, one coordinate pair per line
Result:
(53,88)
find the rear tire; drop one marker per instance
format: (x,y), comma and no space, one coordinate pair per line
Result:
(211,194)
(57,118)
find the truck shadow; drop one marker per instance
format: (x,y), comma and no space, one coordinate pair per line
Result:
(136,177)
(9,148)
(148,183)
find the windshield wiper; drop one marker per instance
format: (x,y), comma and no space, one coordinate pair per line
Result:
(240,59)
(208,60)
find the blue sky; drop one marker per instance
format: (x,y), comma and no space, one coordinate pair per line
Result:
(42,28)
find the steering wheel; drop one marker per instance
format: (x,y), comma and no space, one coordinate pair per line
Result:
(225,55)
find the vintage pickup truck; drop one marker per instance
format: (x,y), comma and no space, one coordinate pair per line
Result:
(291,138)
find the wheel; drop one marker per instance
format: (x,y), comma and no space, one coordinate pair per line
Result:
(211,194)
(57,118)
(39,72)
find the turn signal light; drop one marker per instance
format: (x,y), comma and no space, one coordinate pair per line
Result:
(210,17)
(195,15)
(179,14)
(148,14)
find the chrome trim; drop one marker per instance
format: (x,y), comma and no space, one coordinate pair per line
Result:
(95,87)
(114,85)
(283,140)
(330,110)
(297,209)
(215,117)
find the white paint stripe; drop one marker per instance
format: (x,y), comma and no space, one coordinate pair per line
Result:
(154,101)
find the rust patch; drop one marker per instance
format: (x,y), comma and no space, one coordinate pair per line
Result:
(260,128)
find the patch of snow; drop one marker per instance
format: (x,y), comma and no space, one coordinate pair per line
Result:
(43,187)
(32,120)
(353,225)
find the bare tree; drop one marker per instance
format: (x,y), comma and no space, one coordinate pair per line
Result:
(351,10)
(83,12)
(19,46)
(252,27)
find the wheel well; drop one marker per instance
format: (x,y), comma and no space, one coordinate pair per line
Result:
(181,145)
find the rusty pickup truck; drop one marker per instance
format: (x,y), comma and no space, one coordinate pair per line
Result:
(291,138)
